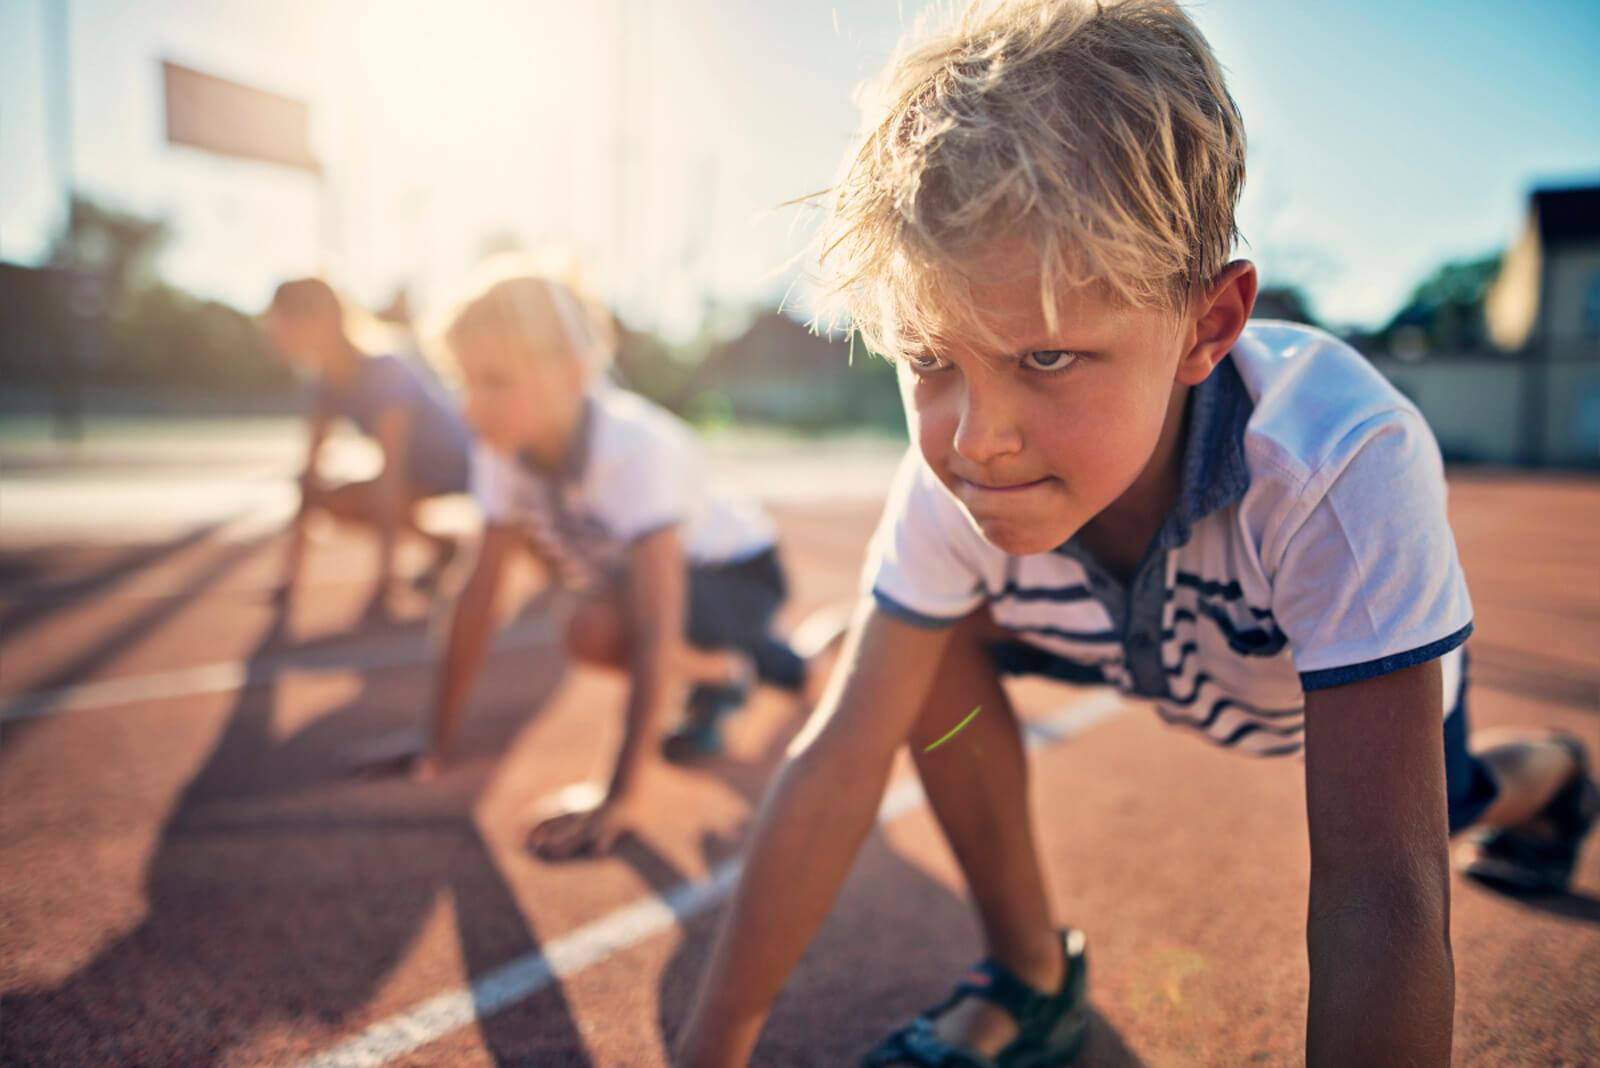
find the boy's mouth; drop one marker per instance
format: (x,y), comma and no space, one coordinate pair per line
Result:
(1009,487)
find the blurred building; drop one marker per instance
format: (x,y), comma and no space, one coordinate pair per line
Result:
(1523,385)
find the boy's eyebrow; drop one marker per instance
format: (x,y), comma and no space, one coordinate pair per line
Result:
(1048,343)
(1009,350)
(1013,353)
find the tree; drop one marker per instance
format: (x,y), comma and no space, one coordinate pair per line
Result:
(1445,310)
(99,314)
(1288,302)
(163,337)
(117,247)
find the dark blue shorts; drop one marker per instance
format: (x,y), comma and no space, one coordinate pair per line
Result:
(731,606)
(1468,784)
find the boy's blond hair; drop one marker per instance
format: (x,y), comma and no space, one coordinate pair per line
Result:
(1099,137)
(536,303)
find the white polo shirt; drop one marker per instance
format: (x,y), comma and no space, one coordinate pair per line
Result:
(634,468)
(1309,547)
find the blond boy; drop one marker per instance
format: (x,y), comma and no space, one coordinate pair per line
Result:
(664,578)
(1116,479)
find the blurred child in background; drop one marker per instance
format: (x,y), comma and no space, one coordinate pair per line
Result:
(426,446)
(674,583)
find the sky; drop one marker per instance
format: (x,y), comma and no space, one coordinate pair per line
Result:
(659,140)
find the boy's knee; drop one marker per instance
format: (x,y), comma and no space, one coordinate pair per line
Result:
(352,502)
(597,631)
(967,669)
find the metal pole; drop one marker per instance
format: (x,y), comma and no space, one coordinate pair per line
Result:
(619,234)
(58,93)
(68,399)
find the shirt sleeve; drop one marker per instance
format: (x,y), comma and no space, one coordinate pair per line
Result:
(490,485)
(1370,581)
(923,563)
(392,384)
(653,484)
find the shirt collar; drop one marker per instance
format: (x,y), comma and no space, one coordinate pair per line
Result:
(572,466)
(1214,471)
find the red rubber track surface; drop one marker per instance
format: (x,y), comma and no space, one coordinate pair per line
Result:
(195,880)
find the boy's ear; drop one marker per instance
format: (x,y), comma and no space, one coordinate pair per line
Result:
(1216,319)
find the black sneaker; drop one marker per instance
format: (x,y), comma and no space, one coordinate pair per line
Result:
(1539,857)
(1050,1026)
(427,581)
(698,736)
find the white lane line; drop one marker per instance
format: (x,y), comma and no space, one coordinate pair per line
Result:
(230,675)
(438,1016)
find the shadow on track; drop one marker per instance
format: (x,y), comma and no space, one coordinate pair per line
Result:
(281,894)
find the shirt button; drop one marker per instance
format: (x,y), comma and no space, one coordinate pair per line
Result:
(1141,641)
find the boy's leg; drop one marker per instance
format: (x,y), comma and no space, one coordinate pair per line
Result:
(1529,767)
(444,548)
(977,786)
(717,667)
(350,502)
(1537,809)
(356,503)
(729,620)
(597,634)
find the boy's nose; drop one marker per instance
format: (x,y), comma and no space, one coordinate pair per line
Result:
(988,428)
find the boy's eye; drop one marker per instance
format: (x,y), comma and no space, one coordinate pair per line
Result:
(925,364)
(1049,359)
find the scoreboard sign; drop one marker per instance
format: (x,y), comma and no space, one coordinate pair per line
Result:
(230,119)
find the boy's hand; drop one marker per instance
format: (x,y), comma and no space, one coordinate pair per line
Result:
(402,754)
(379,608)
(577,821)
(425,767)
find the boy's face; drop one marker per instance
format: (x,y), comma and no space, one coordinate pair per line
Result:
(295,338)
(516,399)
(1037,439)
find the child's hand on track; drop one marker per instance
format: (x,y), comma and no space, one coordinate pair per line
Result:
(577,821)
(425,767)
(379,609)
(400,754)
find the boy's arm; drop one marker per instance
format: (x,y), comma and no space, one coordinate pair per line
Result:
(394,435)
(1382,981)
(653,608)
(316,434)
(811,823)
(470,626)
(317,424)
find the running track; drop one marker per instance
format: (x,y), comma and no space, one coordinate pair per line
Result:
(190,878)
